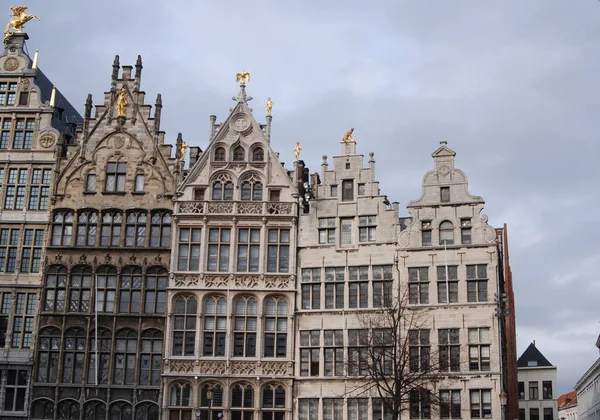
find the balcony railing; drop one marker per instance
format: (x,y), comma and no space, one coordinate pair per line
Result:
(235,207)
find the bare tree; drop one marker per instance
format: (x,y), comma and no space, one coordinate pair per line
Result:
(395,360)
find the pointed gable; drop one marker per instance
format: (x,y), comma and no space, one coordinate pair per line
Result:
(532,357)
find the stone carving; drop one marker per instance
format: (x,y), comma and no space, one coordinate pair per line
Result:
(220,207)
(215,280)
(249,208)
(243,368)
(187,280)
(277,282)
(213,368)
(274,368)
(190,207)
(47,140)
(182,366)
(279,208)
(246,281)
(11,64)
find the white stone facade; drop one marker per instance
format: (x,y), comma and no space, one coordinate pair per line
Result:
(588,392)
(538,399)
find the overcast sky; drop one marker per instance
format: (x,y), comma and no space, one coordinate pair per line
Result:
(512,85)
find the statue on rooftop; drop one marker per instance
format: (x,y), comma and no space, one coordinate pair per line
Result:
(122,102)
(269,106)
(243,77)
(297,150)
(348,137)
(18,19)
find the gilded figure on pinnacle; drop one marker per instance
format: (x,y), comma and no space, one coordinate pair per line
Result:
(18,18)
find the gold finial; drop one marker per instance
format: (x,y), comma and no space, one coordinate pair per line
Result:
(122,102)
(18,18)
(348,137)
(184,147)
(269,106)
(297,150)
(243,77)
(53,96)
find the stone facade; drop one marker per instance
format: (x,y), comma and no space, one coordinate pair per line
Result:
(588,392)
(232,289)
(107,263)
(36,123)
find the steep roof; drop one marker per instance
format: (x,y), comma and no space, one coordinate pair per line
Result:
(532,357)
(567,400)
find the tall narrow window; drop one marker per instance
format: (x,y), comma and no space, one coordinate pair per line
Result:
(418,285)
(334,287)
(366,228)
(382,409)
(111,228)
(39,189)
(308,408)
(446,233)
(479,349)
(333,409)
(547,390)
(62,227)
(135,228)
(4,314)
(23,137)
(347,226)
(258,155)
(348,190)
(215,326)
(125,358)
(139,183)
(420,404)
(445,194)
(477,283)
(87,227)
(310,349)
(180,402)
(215,403)
(548,413)
(184,326)
(358,347)
(23,320)
(426,233)
(333,190)
(155,290)
(276,313)
(56,285)
(31,252)
(450,404)
(447,278)
(533,390)
(239,154)
(16,388)
(248,250)
(188,257)
(90,185)
(151,357)
(9,241)
(334,352)
(273,403)
(6,127)
(48,353)
(358,287)
(242,402)
(80,285)
(16,184)
(327,230)
(105,341)
(449,349)
(534,414)
(278,252)
(160,230)
(115,176)
(244,336)
(218,249)
(382,286)
(73,356)
(311,288)
(419,350)
(465,231)
(481,403)
(130,290)
(106,277)
(219,154)
(252,189)
(358,408)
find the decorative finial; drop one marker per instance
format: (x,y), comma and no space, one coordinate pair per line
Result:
(18,18)
(53,96)
(269,106)
(242,77)
(348,137)
(122,103)
(297,150)
(35,59)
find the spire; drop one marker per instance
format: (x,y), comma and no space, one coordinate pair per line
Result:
(138,73)
(115,74)
(53,97)
(157,112)
(35,59)
(86,124)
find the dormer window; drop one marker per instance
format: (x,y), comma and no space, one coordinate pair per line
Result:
(219,154)
(115,176)
(139,183)
(238,154)
(446,233)
(348,190)
(258,155)
(445,194)
(465,231)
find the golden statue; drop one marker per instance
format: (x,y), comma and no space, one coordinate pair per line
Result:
(184,147)
(297,150)
(18,19)
(269,106)
(348,137)
(243,77)
(122,102)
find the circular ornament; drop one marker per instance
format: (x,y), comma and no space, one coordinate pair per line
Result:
(11,64)
(47,140)
(444,170)
(240,123)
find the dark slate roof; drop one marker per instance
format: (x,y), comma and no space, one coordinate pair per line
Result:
(532,354)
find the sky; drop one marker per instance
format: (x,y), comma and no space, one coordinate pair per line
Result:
(511,85)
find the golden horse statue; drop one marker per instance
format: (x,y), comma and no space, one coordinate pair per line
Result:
(243,77)
(18,19)
(348,136)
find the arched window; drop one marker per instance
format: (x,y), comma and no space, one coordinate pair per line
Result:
(160,234)
(111,228)
(105,342)
(242,402)
(151,357)
(80,289)
(106,277)
(87,227)
(48,353)
(135,231)
(124,365)
(258,155)
(211,395)
(146,411)
(130,290)
(222,190)
(184,326)
(446,233)
(244,337)
(90,185)
(215,326)
(239,154)
(276,311)
(94,410)
(219,154)
(121,411)
(43,410)
(180,402)
(273,402)
(156,286)
(62,227)
(73,356)
(252,189)
(56,285)
(68,410)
